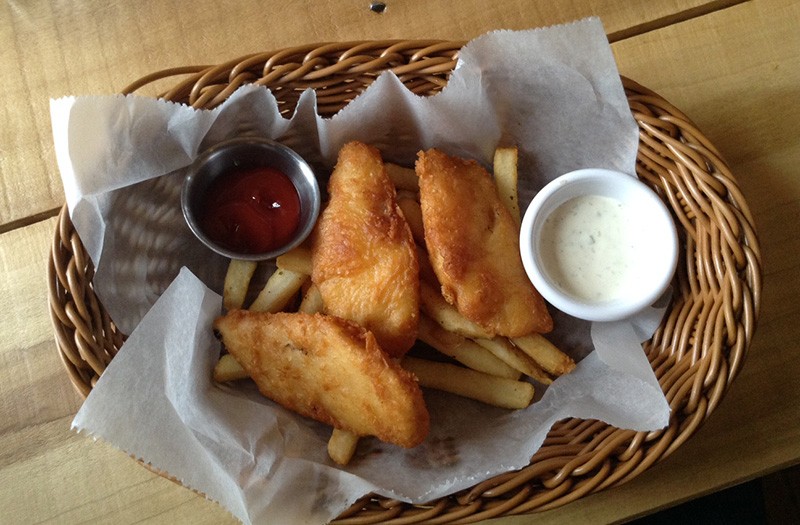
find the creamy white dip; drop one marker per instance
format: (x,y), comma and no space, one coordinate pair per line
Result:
(588,246)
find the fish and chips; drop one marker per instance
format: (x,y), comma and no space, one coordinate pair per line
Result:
(343,330)
(478,262)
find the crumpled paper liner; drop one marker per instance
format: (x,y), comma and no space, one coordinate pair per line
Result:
(554,92)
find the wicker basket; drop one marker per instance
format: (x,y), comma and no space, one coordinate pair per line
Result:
(695,353)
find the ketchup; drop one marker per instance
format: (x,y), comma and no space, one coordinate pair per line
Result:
(251,210)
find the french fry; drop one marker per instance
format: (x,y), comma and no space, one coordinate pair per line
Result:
(237,282)
(402,177)
(228,369)
(497,391)
(297,260)
(312,301)
(463,350)
(426,272)
(446,314)
(506,178)
(407,194)
(514,357)
(342,445)
(545,353)
(413,215)
(279,290)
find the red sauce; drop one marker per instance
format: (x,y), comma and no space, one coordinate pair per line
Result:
(251,210)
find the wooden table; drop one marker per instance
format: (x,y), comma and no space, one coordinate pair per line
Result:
(734,67)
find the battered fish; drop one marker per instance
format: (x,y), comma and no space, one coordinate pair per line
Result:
(328,369)
(363,255)
(473,243)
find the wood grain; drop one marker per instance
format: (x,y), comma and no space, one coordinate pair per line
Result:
(54,49)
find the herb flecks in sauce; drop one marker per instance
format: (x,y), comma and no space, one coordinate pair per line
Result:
(589,245)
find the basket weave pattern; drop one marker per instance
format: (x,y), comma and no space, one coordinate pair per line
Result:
(695,353)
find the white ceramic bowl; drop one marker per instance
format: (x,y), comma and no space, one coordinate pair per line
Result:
(598,269)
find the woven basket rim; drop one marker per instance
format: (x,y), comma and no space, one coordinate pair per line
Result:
(696,352)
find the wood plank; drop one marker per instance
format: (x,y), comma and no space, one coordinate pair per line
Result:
(72,479)
(54,49)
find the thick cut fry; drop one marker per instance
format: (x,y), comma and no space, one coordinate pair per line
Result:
(402,177)
(545,353)
(446,315)
(237,282)
(514,357)
(328,369)
(478,262)
(405,194)
(342,446)
(497,391)
(463,350)
(228,369)
(297,260)
(281,287)
(506,179)
(364,256)
(426,273)
(413,215)
(312,301)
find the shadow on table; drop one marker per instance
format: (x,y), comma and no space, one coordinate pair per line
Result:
(771,500)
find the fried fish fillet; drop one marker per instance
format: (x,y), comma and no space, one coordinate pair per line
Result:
(328,369)
(473,243)
(364,260)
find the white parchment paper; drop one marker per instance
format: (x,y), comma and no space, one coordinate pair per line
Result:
(554,92)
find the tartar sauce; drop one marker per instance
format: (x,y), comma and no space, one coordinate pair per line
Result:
(588,246)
